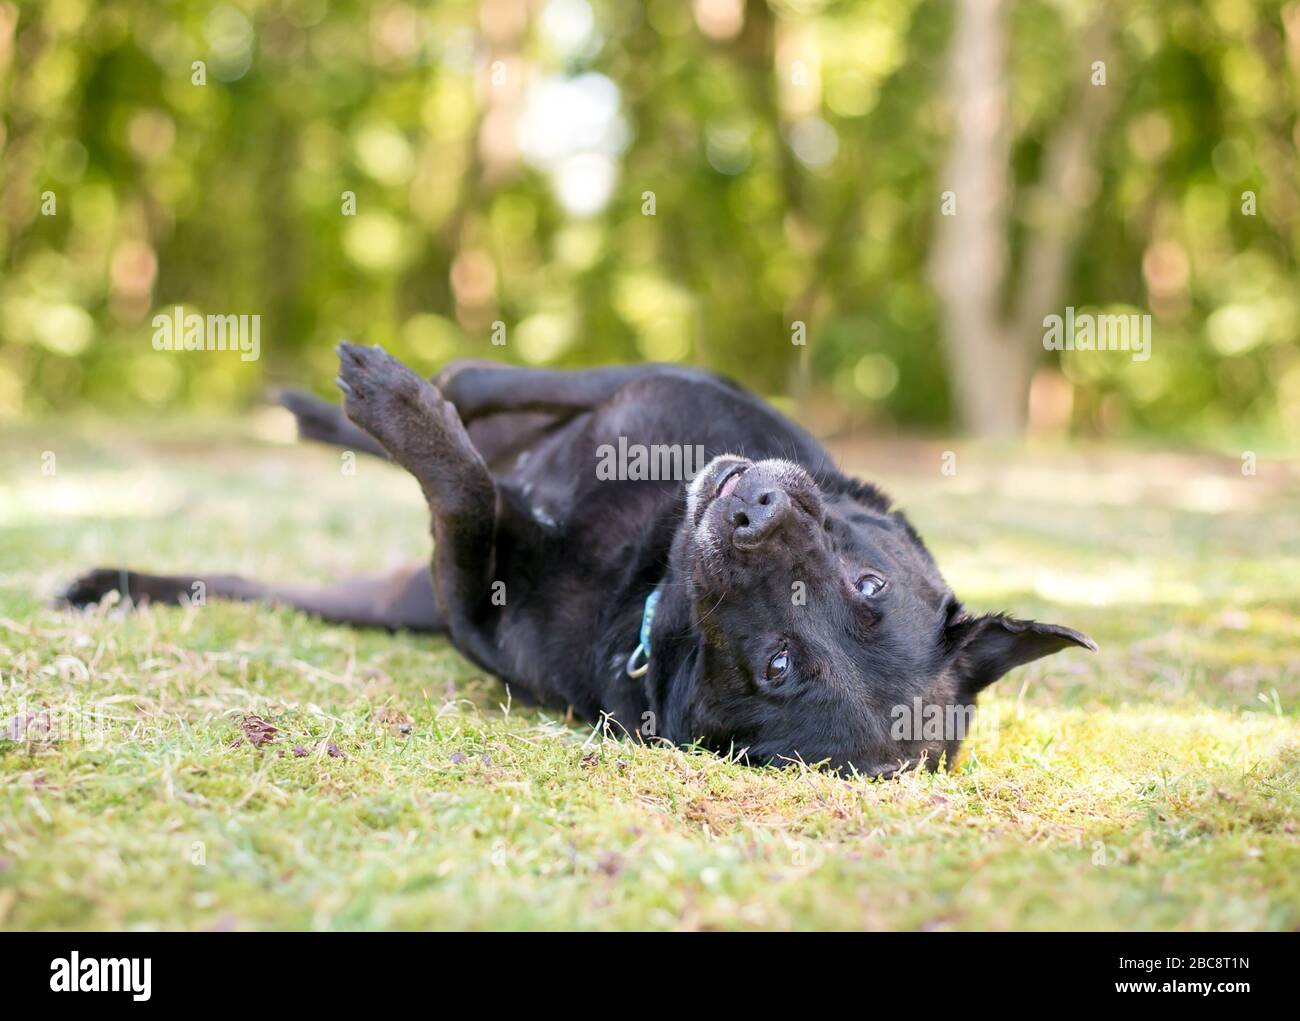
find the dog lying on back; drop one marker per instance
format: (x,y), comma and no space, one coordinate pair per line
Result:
(769,606)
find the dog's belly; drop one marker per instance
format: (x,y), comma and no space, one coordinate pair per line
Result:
(575,589)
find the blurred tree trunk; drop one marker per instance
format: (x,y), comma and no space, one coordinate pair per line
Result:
(991,351)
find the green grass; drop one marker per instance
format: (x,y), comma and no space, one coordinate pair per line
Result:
(1151,786)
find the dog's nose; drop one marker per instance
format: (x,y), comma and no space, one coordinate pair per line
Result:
(756,516)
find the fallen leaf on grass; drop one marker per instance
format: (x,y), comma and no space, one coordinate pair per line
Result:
(256,731)
(398,721)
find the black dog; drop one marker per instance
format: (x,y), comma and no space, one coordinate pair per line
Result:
(771,607)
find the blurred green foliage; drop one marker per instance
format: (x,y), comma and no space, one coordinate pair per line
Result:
(793,150)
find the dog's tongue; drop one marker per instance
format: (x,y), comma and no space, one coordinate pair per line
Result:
(730,484)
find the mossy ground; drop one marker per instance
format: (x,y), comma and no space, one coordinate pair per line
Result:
(1154,785)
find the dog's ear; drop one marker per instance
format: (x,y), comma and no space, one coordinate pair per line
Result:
(985,648)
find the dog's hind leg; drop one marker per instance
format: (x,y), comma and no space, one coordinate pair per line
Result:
(400,600)
(423,433)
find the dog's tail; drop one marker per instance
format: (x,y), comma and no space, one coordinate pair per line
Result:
(326,423)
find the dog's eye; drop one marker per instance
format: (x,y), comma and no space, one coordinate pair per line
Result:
(871,584)
(778,666)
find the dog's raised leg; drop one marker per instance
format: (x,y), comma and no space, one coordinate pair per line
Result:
(423,433)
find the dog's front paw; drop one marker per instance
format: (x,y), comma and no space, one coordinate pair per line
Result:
(89,588)
(387,399)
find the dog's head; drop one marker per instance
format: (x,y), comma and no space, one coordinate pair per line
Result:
(807,622)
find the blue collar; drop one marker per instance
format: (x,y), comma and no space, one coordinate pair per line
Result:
(639,662)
